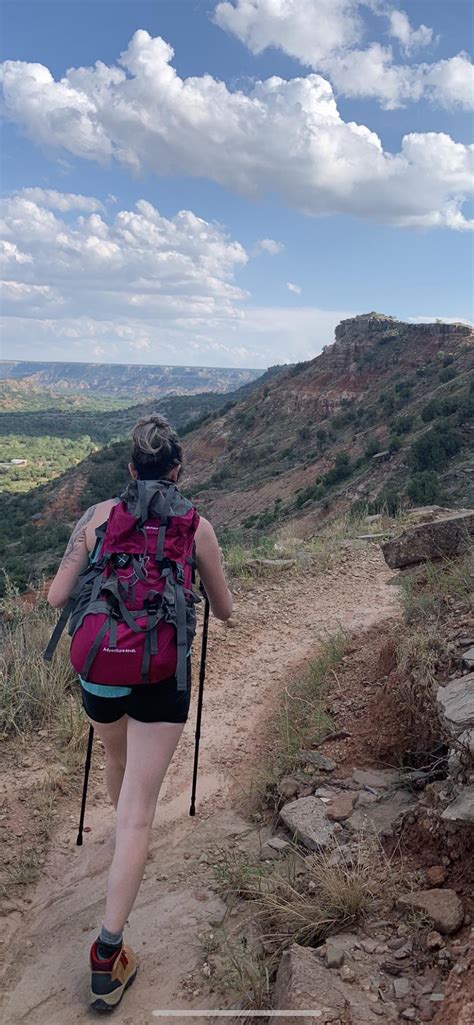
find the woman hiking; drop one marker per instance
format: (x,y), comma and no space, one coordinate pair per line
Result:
(139,726)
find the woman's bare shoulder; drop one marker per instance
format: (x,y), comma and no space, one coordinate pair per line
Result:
(205,525)
(95,516)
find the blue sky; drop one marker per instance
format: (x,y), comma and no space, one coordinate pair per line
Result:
(282,190)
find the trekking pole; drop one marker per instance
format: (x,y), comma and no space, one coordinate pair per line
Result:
(87,768)
(202,677)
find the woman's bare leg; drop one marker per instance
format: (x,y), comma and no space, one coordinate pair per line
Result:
(114,738)
(150,748)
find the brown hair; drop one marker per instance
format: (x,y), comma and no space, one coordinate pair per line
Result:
(156,448)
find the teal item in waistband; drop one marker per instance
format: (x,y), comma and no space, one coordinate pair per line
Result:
(102,691)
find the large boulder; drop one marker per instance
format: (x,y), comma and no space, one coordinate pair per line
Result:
(448,536)
(456,704)
(443,907)
(306,819)
(304,984)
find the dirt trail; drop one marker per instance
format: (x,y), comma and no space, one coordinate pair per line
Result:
(278,623)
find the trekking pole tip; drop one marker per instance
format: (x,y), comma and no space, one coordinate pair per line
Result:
(79,840)
(192,810)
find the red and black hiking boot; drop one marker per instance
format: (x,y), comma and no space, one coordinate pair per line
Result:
(111,978)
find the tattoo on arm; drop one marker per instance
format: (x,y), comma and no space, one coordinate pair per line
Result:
(77,538)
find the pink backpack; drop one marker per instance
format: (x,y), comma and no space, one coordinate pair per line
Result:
(133,618)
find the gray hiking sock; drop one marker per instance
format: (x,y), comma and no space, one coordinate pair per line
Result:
(108,943)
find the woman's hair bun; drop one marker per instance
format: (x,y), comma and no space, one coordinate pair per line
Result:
(155,445)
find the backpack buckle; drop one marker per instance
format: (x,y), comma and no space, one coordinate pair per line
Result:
(121,559)
(114,609)
(179,574)
(153,602)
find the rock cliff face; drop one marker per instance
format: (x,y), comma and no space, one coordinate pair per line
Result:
(288,433)
(359,337)
(365,349)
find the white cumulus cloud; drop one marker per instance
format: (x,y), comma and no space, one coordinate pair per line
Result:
(268,245)
(326,35)
(293,288)
(409,38)
(137,274)
(63,201)
(283,136)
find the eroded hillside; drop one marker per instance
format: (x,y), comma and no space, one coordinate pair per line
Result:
(382,416)
(344,425)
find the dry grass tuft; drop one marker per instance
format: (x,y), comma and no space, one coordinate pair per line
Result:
(245,972)
(22,871)
(408,717)
(302,720)
(443,582)
(34,694)
(238,876)
(305,899)
(333,893)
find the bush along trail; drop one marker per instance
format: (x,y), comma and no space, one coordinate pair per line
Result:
(328,864)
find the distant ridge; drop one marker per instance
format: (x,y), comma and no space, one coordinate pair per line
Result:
(125,379)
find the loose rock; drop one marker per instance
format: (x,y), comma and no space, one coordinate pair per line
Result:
(456,704)
(302,981)
(462,809)
(334,957)
(443,907)
(274,848)
(318,760)
(434,941)
(306,819)
(341,807)
(468,658)
(380,818)
(436,875)
(401,988)
(378,779)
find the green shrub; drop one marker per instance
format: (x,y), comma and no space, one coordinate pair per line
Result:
(388,500)
(423,488)
(403,425)
(404,389)
(465,411)
(447,374)
(433,450)
(314,492)
(371,448)
(340,471)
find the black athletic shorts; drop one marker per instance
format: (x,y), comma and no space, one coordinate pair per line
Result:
(155,702)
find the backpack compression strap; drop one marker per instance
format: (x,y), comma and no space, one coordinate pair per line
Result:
(58,631)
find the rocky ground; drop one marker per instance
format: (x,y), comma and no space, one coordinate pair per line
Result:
(408,959)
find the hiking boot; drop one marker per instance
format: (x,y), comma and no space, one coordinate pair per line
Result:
(111,978)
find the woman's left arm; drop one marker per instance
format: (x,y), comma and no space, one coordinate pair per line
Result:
(73,562)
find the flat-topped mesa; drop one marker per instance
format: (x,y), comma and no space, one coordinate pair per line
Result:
(410,344)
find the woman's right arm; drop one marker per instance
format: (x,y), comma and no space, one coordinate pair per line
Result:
(211,571)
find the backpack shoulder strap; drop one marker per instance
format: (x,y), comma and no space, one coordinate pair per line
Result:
(70,604)
(58,630)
